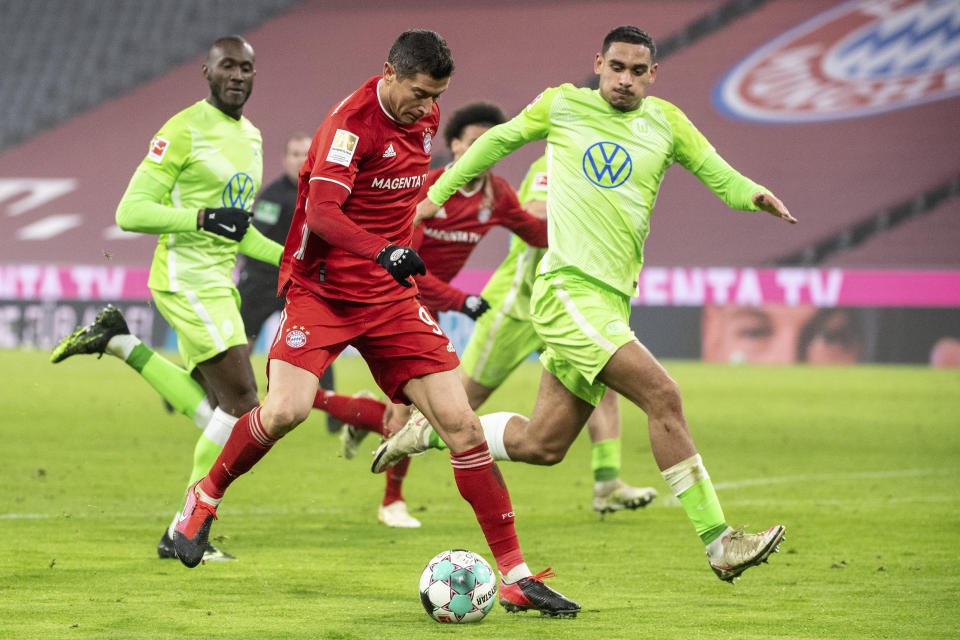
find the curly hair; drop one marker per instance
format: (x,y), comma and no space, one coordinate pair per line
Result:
(481,113)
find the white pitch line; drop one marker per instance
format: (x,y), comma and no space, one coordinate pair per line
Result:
(828,476)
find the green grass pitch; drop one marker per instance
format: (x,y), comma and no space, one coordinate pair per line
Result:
(862,465)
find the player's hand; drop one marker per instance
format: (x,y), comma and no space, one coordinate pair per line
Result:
(426,209)
(394,417)
(228,222)
(772,205)
(401,263)
(474,306)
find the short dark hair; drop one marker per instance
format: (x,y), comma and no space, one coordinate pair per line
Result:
(630,35)
(421,51)
(481,113)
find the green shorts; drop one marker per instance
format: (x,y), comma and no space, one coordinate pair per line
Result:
(582,323)
(207,322)
(498,345)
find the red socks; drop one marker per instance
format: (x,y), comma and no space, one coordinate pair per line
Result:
(395,476)
(246,445)
(363,413)
(481,484)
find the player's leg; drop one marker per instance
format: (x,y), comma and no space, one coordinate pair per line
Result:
(328,383)
(421,368)
(392,510)
(442,400)
(558,416)
(304,346)
(212,341)
(497,346)
(108,333)
(213,345)
(287,404)
(610,492)
(635,373)
(362,410)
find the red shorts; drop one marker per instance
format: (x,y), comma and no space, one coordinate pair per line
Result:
(399,340)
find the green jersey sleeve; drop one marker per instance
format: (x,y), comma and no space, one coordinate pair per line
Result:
(533,123)
(695,154)
(260,247)
(140,208)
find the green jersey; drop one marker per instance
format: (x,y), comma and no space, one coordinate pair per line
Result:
(605,169)
(510,285)
(201,157)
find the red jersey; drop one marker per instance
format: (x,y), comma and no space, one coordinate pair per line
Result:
(382,165)
(446,240)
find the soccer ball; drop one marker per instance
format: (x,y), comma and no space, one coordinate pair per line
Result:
(458,586)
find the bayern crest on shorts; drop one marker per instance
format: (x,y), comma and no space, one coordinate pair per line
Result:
(296,337)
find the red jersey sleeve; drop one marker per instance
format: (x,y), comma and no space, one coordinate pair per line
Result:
(437,295)
(325,218)
(511,215)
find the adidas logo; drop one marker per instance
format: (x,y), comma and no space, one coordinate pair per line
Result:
(389,153)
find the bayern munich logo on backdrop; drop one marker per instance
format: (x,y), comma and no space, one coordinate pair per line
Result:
(296,337)
(239,191)
(860,58)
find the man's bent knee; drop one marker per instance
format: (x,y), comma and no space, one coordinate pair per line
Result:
(665,399)
(460,431)
(279,418)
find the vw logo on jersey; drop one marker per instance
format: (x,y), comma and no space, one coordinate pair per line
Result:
(607,164)
(239,191)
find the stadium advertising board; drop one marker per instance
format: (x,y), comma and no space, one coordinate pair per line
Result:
(722,314)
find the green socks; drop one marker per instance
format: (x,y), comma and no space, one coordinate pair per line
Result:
(172,382)
(204,455)
(434,441)
(690,483)
(605,460)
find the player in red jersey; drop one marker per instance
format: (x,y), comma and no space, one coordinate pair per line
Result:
(346,257)
(445,242)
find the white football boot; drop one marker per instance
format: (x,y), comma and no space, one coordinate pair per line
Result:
(411,440)
(395,515)
(735,551)
(616,495)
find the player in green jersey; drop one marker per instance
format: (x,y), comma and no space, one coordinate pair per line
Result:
(503,338)
(607,152)
(194,189)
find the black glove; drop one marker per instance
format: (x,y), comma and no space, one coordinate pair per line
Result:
(474,306)
(228,222)
(401,263)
